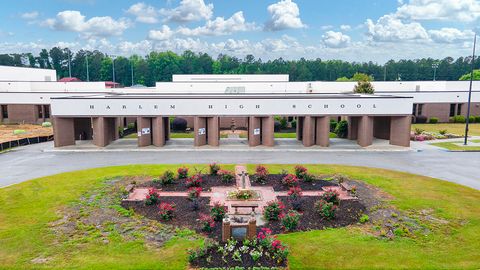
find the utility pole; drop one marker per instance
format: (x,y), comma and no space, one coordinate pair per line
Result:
(385,73)
(88,76)
(113,70)
(131,69)
(470,90)
(434,66)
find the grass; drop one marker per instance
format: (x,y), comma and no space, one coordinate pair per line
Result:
(293,135)
(454,128)
(28,208)
(190,135)
(452,146)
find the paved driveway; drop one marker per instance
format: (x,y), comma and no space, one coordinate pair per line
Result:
(29,162)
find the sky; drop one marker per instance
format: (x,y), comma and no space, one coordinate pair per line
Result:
(351,30)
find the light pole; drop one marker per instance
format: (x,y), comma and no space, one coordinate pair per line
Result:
(131,69)
(434,66)
(69,65)
(113,69)
(470,90)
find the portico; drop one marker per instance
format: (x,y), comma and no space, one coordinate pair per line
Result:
(369,116)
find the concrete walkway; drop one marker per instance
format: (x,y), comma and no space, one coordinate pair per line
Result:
(24,163)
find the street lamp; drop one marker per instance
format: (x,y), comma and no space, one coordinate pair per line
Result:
(113,69)
(88,75)
(470,90)
(434,66)
(69,65)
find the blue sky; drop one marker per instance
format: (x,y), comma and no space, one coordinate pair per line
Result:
(354,30)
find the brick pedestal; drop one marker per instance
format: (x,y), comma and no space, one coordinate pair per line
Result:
(144,131)
(64,131)
(365,131)
(400,127)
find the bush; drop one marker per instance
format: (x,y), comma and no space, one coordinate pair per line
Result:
(218,211)
(167,211)
(342,129)
(300,171)
(308,178)
(283,123)
(182,172)
(418,131)
(213,168)
(179,124)
(273,210)
(331,196)
(290,220)
(226,176)
(19,131)
(325,209)
(477,119)
(364,218)
(46,124)
(421,119)
(152,197)
(131,125)
(433,120)
(459,119)
(443,132)
(207,223)
(293,123)
(194,193)
(261,174)
(295,197)
(277,126)
(290,180)
(167,178)
(194,181)
(471,119)
(333,125)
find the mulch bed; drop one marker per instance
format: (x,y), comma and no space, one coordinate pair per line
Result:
(185,216)
(208,182)
(348,213)
(275,180)
(247,261)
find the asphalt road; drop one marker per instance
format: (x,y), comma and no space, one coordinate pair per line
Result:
(30,162)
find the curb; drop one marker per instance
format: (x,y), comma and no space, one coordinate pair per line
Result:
(222,150)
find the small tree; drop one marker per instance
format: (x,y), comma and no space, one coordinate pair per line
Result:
(364,87)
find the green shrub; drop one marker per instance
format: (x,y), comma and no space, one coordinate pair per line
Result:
(131,125)
(294,123)
(333,125)
(226,176)
(300,171)
(218,211)
(167,178)
(19,131)
(471,119)
(342,129)
(213,168)
(308,178)
(364,218)
(331,196)
(418,131)
(290,220)
(433,120)
(442,132)
(273,210)
(46,124)
(283,123)
(477,119)
(325,209)
(459,119)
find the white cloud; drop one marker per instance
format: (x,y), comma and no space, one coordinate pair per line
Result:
(163,34)
(333,39)
(189,10)
(74,21)
(454,10)
(144,13)
(450,35)
(391,29)
(30,15)
(284,15)
(345,27)
(219,26)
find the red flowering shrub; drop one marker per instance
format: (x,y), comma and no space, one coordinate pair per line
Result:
(207,223)
(218,211)
(167,210)
(152,196)
(194,181)
(325,209)
(272,244)
(194,193)
(261,174)
(273,210)
(290,180)
(290,220)
(295,197)
(182,172)
(226,176)
(331,196)
(213,168)
(300,171)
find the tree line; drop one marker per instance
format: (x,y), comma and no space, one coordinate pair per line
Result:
(159,66)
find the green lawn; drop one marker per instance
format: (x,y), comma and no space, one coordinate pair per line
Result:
(27,209)
(454,128)
(293,135)
(454,147)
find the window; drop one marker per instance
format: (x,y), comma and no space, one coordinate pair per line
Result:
(452,110)
(4,111)
(420,109)
(40,111)
(414,111)
(47,111)
(459,109)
